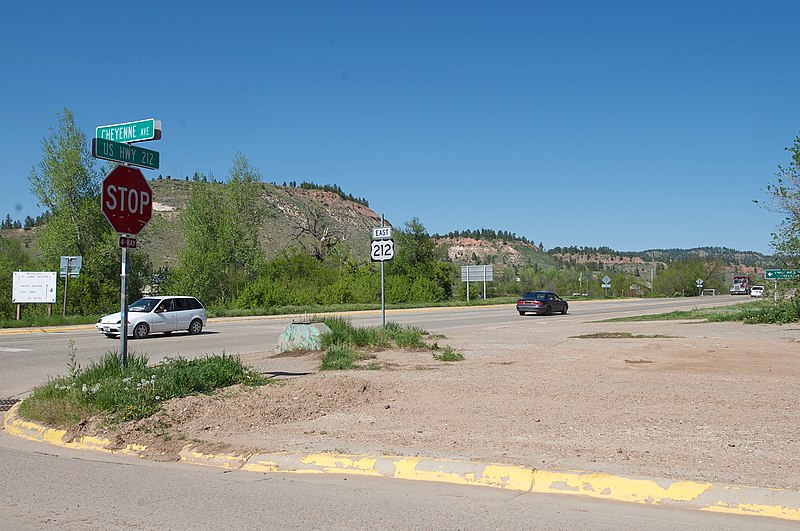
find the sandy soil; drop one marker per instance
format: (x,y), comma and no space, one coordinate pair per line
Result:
(712,402)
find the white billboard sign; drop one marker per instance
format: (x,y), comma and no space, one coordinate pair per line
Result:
(477,273)
(33,286)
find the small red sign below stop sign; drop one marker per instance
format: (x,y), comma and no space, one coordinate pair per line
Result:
(127,200)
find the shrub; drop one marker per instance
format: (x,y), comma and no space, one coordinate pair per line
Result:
(135,392)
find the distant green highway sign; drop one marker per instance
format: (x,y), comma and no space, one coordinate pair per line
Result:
(781,274)
(125,154)
(128,132)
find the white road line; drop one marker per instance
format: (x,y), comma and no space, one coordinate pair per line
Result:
(9,349)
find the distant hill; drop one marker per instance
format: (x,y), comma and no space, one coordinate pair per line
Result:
(327,212)
(506,250)
(629,261)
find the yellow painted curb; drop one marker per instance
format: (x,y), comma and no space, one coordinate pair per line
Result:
(227,461)
(731,499)
(32,431)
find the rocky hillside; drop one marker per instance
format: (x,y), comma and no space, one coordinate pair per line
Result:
(295,216)
(507,252)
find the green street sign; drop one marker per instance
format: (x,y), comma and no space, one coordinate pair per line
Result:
(128,132)
(781,274)
(125,154)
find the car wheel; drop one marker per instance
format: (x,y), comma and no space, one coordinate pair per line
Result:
(548,311)
(522,313)
(564,311)
(141,331)
(196,327)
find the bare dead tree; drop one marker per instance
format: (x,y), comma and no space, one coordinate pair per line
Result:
(315,232)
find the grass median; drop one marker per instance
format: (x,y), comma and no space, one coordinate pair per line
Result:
(136,392)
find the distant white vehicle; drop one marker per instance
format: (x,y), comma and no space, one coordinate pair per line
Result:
(157,314)
(757,291)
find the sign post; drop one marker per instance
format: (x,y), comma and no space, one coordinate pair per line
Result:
(126,198)
(780,274)
(476,273)
(699,284)
(65,273)
(606,283)
(381,250)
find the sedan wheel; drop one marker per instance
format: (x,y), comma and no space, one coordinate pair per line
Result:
(196,327)
(564,311)
(141,331)
(548,311)
(522,313)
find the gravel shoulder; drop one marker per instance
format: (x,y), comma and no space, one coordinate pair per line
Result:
(712,402)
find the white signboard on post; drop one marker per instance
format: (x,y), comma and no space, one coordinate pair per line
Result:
(33,287)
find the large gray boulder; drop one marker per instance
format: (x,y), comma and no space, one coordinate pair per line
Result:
(302,336)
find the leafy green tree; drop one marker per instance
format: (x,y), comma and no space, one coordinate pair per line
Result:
(222,251)
(786,200)
(12,258)
(428,275)
(67,184)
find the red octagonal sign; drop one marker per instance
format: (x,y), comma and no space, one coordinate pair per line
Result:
(127,200)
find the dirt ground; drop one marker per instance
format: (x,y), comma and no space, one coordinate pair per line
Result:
(712,402)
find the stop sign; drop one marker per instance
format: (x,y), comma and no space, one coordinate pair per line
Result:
(127,200)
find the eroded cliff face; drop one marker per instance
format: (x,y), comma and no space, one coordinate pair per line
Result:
(472,250)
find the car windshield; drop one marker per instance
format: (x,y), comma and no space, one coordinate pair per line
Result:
(143,305)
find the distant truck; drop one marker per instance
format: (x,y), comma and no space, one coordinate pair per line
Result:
(741,285)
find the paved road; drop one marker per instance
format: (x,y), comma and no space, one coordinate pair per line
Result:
(46,487)
(28,358)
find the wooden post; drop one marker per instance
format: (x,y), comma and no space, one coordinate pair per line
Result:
(18,306)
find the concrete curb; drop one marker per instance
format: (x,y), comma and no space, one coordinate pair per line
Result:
(714,497)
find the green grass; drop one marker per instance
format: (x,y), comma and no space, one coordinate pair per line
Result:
(448,354)
(620,335)
(345,344)
(764,312)
(133,393)
(343,357)
(53,320)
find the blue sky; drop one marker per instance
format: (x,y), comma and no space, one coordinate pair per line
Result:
(633,125)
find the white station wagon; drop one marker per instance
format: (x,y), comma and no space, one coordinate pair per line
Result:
(157,314)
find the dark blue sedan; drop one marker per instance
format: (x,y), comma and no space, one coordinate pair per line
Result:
(542,303)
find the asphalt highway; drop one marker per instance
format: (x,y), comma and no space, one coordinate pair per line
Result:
(29,357)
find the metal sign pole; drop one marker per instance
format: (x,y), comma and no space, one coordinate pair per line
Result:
(467,284)
(66,281)
(484,282)
(383,293)
(123,311)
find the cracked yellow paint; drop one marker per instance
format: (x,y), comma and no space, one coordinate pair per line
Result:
(607,486)
(343,464)
(227,461)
